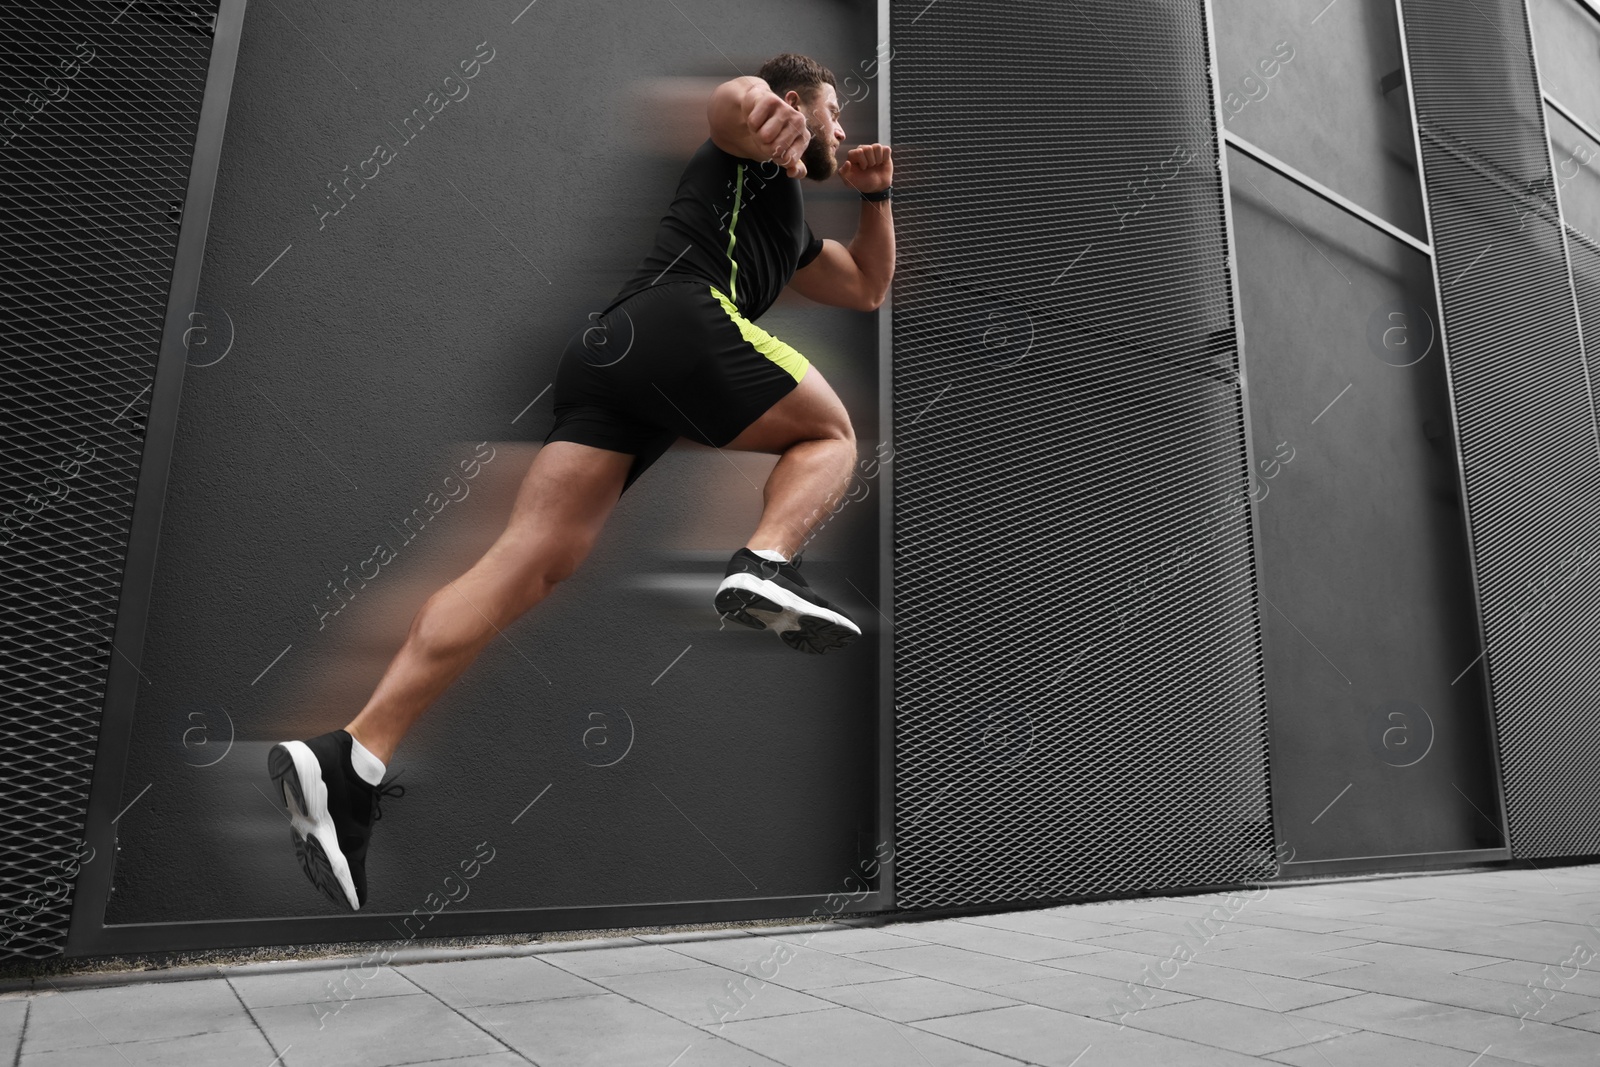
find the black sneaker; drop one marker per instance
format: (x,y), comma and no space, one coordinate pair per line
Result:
(331,812)
(765,594)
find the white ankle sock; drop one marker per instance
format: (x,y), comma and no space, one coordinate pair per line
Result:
(368,766)
(767,553)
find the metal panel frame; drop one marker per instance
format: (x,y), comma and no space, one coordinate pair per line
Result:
(1561,108)
(93,889)
(1505,820)
(1267,159)
(886,646)
(1401,861)
(1482,663)
(1213,70)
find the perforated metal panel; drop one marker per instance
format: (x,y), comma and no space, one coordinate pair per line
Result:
(1078,690)
(98,110)
(1524,409)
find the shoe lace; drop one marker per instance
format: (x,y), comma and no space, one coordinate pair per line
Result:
(386,788)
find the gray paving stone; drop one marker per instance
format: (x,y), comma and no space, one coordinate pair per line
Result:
(331,986)
(842,1036)
(1557,938)
(1056,1039)
(846,940)
(1462,991)
(956,966)
(373,1032)
(474,983)
(1436,959)
(1293,920)
(1118,966)
(1270,961)
(1458,938)
(708,996)
(1110,912)
(1252,989)
(1160,943)
(1054,923)
(608,1031)
(621,959)
(132,1013)
(1363,1049)
(199,1050)
(1282,939)
(792,962)
(1085,994)
(1165,924)
(1460,1028)
(1589,1022)
(1521,972)
(905,1000)
(1389,891)
(1012,944)
(13,1012)
(493,1059)
(1252,1031)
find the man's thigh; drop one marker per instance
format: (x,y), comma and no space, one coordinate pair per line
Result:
(809,412)
(570,489)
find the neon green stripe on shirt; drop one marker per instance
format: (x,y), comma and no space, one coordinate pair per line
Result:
(733,264)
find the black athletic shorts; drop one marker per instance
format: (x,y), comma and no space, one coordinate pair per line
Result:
(673,360)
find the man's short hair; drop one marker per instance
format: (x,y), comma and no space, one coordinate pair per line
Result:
(792,71)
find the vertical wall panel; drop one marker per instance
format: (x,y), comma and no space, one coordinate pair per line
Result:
(1524,409)
(1078,683)
(98,112)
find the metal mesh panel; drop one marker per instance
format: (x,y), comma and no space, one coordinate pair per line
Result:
(99,105)
(1524,409)
(1078,692)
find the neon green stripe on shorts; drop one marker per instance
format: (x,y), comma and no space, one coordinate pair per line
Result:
(783,355)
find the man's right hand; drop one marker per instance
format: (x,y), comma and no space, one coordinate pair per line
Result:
(778,129)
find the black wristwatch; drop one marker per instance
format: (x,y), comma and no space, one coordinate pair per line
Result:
(886,193)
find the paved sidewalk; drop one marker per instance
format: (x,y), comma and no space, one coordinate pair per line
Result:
(1425,970)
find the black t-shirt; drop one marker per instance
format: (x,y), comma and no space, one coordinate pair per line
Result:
(736,223)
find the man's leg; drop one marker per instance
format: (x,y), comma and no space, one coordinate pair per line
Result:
(810,430)
(564,501)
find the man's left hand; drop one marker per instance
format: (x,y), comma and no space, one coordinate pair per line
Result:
(868,168)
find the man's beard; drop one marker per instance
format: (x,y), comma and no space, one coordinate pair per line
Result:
(821,164)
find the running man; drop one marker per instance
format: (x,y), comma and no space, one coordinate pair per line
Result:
(677,353)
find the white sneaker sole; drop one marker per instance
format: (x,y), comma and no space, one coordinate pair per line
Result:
(299,776)
(756,602)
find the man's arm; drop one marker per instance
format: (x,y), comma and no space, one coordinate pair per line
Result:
(858,276)
(751,121)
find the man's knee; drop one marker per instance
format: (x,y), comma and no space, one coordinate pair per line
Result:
(835,428)
(547,565)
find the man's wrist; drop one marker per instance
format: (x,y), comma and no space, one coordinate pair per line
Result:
(886,193)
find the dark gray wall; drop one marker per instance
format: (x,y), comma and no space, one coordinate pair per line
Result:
(1324,110)
(343,366)
(1379,729)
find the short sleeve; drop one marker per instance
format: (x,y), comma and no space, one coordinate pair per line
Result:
(813,247)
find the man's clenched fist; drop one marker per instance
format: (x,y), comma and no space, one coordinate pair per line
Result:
(868,168)
(778,128)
